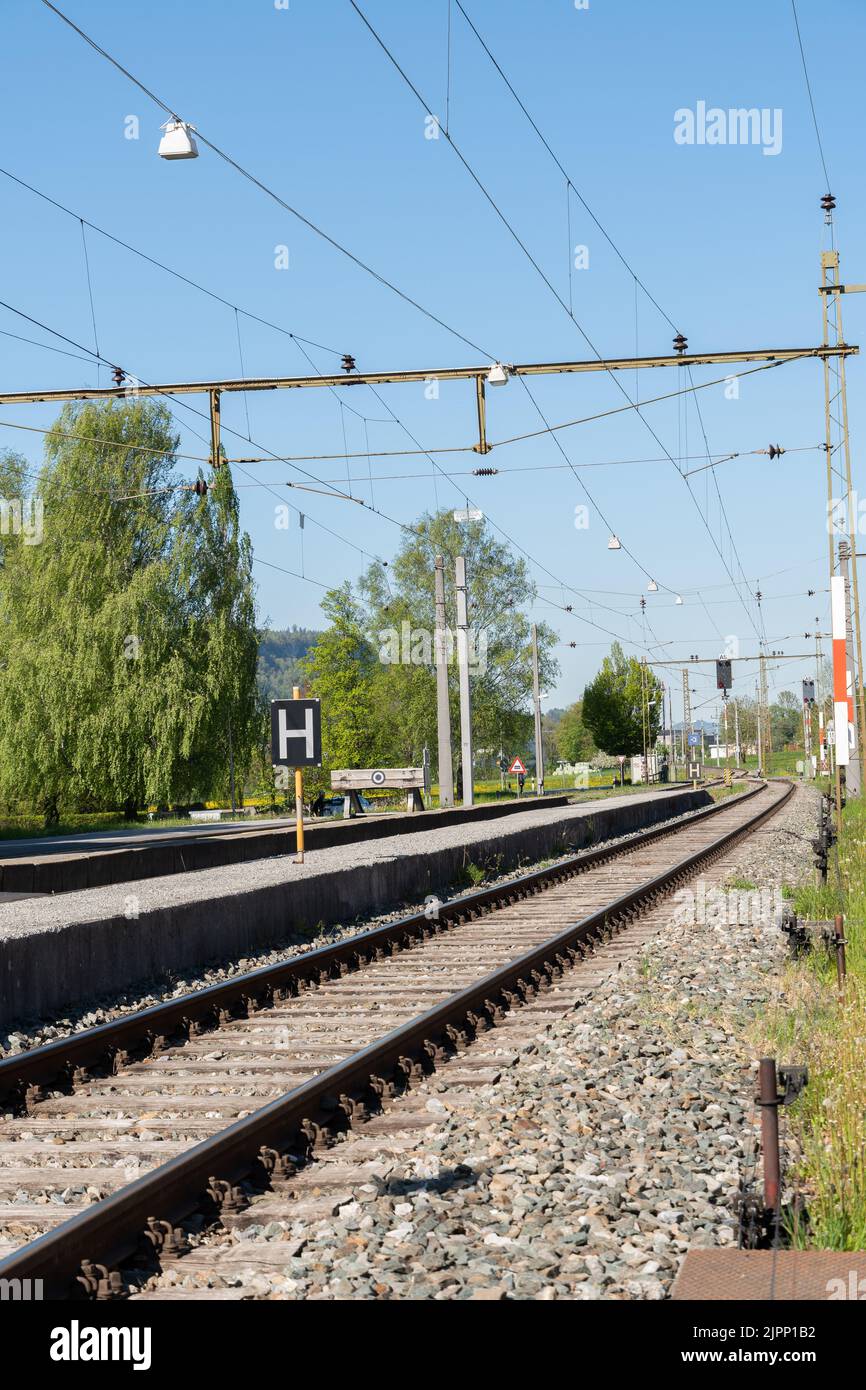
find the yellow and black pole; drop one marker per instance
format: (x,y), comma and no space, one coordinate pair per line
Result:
(299,797)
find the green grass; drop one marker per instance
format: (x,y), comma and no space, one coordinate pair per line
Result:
(811,1023)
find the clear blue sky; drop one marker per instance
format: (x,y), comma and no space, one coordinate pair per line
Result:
(727,239)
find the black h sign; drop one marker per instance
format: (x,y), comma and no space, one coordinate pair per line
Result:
(723,675)
(296,733)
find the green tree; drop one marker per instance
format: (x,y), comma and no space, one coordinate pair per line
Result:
(615,703)
(574,742)
(786,719)
(340,668)
(129,664)
(281,658)
(384,710)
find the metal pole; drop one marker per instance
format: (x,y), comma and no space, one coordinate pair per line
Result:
(443,708)
(768,1099)
(215,429)
(231,765)
(859,706)
(829,260)
(424,374)
(840,942)
(536,699)
(299,798)
(852,776)
(465,693)
(737,732)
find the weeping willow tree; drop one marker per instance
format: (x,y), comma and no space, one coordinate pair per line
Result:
(127,666)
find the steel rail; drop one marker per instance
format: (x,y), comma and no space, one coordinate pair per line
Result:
(109,1046)
(141,1219)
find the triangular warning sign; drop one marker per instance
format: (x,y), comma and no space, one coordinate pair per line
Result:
(517,766)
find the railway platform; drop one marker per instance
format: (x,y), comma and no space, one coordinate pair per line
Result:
(80,945)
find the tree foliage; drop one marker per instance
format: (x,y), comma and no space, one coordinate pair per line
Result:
(615,702)
(130,642)
(385,711)
(574,741)
(281,660)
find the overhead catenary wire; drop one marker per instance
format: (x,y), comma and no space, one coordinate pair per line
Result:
(520,243)
(161,265)
(570,184)
(248,175)
(48,329)
(809,91)
(226,428)
(264,188)
(199,414)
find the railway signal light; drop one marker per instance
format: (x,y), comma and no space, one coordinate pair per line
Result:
(808,692)
(724,678)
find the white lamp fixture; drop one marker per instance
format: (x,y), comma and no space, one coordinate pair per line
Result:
(497,375)
(614,543)
(178,141)
(652,587)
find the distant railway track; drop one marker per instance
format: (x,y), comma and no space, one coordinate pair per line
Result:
(198,1103)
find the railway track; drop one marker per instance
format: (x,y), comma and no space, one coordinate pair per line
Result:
(198,1104)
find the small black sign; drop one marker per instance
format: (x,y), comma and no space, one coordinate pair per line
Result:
(296,733)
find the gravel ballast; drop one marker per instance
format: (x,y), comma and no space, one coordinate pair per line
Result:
(619,1139)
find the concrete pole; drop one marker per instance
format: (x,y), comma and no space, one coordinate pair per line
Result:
(737,732)
(465,695)
(673,738)
(536,700)
(443,710)
(759,718)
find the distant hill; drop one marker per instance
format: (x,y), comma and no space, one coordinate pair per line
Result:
(280,657)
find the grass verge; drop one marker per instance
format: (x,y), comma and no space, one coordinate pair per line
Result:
(810,1022)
